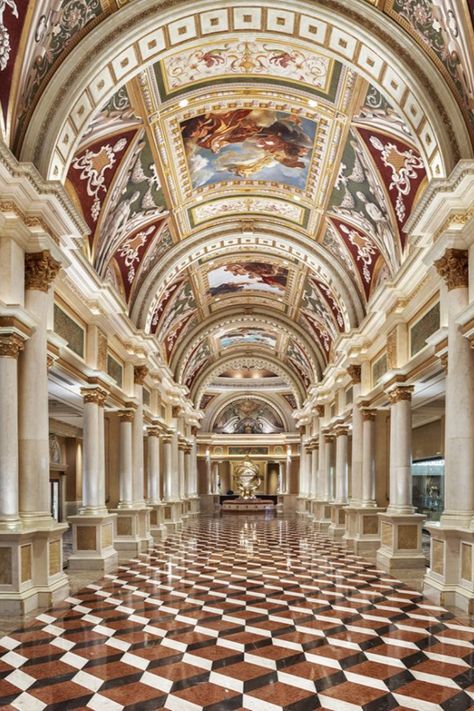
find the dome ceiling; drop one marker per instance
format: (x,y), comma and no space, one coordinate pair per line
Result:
(247,193)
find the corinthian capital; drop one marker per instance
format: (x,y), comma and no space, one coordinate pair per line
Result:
(401,392)
(139,373)
(354,373)
(40,270)
(453,268)
(10,345)
(94,395)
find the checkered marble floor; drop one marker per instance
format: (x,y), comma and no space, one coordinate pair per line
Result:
(241,613)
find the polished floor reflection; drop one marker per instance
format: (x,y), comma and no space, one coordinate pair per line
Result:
(238,613)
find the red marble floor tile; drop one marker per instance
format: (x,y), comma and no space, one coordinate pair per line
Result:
(64,693)
(283,696)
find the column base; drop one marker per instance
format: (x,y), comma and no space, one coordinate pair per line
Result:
(449,581)
(400,550)
(337,527)
(93,542)
(321,515)
(363,529)
(31,569)
(172,514)
(301,505)
(132,535)
(157,527)
(195,505)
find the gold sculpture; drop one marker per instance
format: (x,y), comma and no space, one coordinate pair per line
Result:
(248,479)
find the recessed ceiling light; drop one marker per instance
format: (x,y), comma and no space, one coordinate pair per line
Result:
(183,103)
(312,103)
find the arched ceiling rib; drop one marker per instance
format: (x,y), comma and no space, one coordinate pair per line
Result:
(246,172)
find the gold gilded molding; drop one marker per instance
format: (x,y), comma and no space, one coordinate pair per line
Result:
(10,345)
(153,431)
(368,415)
(126,415)
(95,396)
(139,374)
(354,372)
(453,267)
(40,270)
(399,393)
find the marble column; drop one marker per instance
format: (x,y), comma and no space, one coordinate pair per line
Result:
(450,578)
(126,458)
(338,513)
(354,371)
(400,527)
(40,272)
(10,346)
(93,529)
(215,477)
(172,508)
(182,476)
(314,476)
(195,503)
(44,581)
(154,483)
(322,518)
(365,520)
(138,483)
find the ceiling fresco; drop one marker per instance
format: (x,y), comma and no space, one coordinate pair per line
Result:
(247,193)
(248,416)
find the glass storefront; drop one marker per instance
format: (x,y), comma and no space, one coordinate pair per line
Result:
(428,487)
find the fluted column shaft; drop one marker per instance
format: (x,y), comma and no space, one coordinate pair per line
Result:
(138,481)
(40,271)
(126,458)
(368,458)
(93,476)
(10,346)
(187,472)
(357,446)
(459,431)
(314,469)
(153,493)
(400,451)
(181,471)
(168,478)
(342,468)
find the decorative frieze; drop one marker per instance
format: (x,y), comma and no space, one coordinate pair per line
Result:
(453,267)
(40,270)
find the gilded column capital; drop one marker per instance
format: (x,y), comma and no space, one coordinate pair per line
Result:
(139,374)
(368,415)
(10,345)
(319,409)
(341,431)
(329,437)
(126,415)
(354,372)
(153,431)
(167,438)
(97,396)
(40,270)
(399,393)
(453,267)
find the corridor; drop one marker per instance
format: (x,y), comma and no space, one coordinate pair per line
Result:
(241,613)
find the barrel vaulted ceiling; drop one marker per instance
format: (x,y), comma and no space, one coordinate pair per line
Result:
(247,189)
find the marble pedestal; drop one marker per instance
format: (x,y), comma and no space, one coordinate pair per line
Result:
(157,526)
(93,542)
(400,543)
(186,508)
(195,505)
(322,515)
(337,527)
(172,514)
(31,569)
(133,535)
(301,505)
(363,529)
(450,577)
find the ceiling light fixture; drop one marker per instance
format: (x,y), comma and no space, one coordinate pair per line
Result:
(183,103)
(312,103)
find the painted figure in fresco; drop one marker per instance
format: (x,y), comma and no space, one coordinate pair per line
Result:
(262,139)
(268,275)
